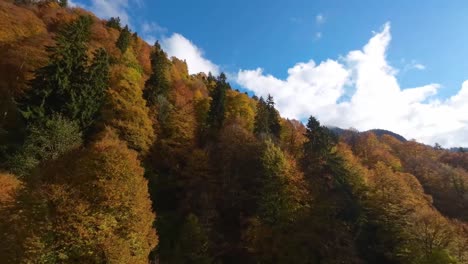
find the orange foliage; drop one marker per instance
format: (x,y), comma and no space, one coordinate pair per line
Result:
(18,23)
(9,185)
(94,202)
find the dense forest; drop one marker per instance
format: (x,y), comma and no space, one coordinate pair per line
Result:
(110,152)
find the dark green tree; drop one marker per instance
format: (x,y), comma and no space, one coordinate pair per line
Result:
(261,118)
(69,84)
(114,22)
(318,146)
(273,117)
(218,107)
(267,118)
(91,97)
(63,3)
(124,39)
(158,83)
(57,86)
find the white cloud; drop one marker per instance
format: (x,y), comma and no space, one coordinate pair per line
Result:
(152,28)
(376,99)
(112,8)
(182,48)
(419,66)
(72,3)
(319,19)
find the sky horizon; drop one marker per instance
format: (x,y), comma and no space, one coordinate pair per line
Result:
(398,66)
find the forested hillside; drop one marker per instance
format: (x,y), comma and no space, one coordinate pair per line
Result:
(110,152)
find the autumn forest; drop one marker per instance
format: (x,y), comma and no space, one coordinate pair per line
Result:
(111,152)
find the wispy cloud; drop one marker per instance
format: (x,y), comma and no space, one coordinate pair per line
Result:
(375,99)
(318,35)
(319,19)
(152,28)
(112,8)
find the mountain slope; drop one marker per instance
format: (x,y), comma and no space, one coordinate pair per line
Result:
(111,152)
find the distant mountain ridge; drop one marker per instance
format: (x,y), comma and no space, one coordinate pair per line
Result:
(378,132)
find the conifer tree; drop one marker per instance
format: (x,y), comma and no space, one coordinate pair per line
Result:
(217,107)
(114,22)
(158,84)
(273,117)
(267,119)
(124,39)
(261,118)
(67,85)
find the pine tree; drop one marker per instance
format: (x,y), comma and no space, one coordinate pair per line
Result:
(217,107)
(92,95)
(114,22)
(273,117)
(261,118)
(158,84)
(319,144)
(124,39)
(53,88)
(67,85)
(267,118)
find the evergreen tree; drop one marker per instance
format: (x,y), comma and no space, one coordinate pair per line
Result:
(217,107)
(54,86)
(67,85)
(114,22)
(261,118)
(267,118)
(92,95)
(158,83)
(273,117)
(124,39)
(318,146)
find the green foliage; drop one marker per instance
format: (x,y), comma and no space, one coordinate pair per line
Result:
(193,242)
(277,204)
(158,83)
(318,146)
(267,119)
(67,85)
(114,22)
(230,180)
(47,140)
(124,39)
(216,114)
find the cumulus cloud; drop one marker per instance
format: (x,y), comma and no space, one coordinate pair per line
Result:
(374,98)
(182,48)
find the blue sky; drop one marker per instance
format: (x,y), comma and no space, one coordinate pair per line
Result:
(261,45)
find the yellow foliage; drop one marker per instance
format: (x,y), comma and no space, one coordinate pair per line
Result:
(240,106)
(125,108)
(94,202)
(9,185)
